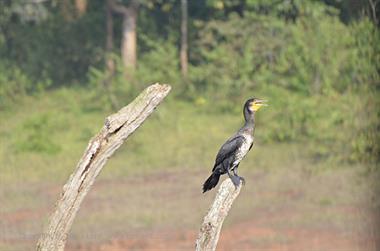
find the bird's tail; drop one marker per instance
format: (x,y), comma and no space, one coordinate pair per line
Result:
(211,182)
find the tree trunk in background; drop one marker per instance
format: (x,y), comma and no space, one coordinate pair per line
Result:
(183,56)
(66,10)
(110,64)
(128,40)
(81,7)
(374,11)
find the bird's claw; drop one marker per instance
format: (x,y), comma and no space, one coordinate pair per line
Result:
(237,180)
(242,180)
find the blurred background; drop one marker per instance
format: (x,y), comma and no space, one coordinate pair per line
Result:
(312,179)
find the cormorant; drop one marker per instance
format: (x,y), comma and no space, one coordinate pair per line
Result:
(235,148)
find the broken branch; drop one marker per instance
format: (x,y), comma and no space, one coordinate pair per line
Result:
(116,130)
(212,223)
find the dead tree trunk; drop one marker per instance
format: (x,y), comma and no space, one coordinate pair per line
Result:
(212,223)
(115,131)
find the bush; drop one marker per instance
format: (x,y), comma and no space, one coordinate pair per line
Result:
(158,64)
(305,56)
(36,135)
(13,83)
(322,86)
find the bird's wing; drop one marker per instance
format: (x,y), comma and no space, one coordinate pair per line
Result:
(228,149)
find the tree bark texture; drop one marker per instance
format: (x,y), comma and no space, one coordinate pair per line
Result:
(212,223)
(115,131)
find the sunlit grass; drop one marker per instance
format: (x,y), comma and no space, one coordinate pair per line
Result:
(154,180)
(177,135)
(43,137)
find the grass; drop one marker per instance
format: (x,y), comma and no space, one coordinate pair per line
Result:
(43,137)
(154,180)
(179,134)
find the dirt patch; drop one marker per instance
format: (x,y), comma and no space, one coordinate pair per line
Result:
(22,215)
(277,210)
(245,236)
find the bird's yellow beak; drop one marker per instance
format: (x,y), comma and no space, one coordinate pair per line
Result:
(257,104)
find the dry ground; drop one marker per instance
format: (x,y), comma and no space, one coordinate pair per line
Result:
(277,210)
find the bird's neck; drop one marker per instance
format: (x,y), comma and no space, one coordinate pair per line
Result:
(249,125)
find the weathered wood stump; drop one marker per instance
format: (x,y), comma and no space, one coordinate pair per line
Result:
(115,131)
(212,223)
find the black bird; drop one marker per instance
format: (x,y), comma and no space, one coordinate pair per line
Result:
(235,148)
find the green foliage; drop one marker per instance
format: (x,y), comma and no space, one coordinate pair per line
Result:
(13,83)
(160,63)
(334,127)
(305,56)
(319,73)
(366,147)
(317,82)
(367,53)
(48,47)
(237,60)
(315,60)
(35,135)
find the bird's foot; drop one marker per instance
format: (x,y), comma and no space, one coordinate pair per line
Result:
(242,180)
(235,180)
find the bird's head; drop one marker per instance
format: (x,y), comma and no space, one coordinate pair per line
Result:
(252,105)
